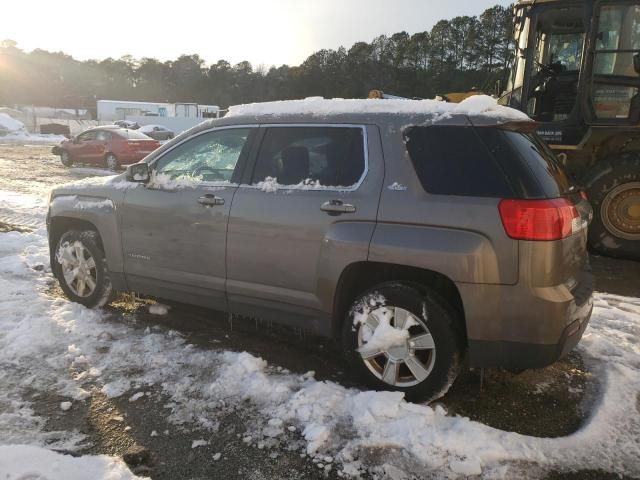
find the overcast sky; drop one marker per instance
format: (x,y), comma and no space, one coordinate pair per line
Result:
(269,32)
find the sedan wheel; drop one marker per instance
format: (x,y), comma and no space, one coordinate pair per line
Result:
(65,158)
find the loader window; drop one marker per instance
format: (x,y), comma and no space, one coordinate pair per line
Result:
(513,97)
(614,89)
(559,43)
(564,49)
(618,32)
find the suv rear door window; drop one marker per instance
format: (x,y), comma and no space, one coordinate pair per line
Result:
(453,160)
(311,156)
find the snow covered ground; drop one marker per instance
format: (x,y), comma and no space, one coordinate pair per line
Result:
(14,131)
(22,462)
(51,346)
(25,138)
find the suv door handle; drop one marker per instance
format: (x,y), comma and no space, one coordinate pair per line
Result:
(209,200)
(337,207)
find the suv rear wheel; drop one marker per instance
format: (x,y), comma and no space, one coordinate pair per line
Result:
(398,337)
(81,269)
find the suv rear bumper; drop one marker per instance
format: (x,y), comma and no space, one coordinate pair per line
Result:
(522,356)
(530,333)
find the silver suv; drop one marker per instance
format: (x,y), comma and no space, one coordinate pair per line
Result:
(417,233)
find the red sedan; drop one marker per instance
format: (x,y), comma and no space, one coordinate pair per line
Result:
(111,147)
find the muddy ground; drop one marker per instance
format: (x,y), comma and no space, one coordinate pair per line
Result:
(549,402)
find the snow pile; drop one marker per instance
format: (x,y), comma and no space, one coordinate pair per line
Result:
(90,203)
(319,107)
(9,124)
(25,138)
(158,309)
(271,185)
(397,187)
(14,131)
(23,462)
(384,336)
(51,346)
(171,182)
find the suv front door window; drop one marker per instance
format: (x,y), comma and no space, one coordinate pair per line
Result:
(208,158)
(174,228)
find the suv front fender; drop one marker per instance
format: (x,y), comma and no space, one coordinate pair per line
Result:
(100,212)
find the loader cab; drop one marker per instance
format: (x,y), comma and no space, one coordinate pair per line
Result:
(576,64)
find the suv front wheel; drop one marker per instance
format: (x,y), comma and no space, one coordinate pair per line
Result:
(81,268)
(399,337)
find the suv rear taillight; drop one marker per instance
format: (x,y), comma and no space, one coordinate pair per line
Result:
(551,219)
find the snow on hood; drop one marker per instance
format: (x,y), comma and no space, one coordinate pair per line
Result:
(316,106)
(10,124)
(116,181)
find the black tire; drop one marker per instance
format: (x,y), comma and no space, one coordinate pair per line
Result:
(111,162)
(436,315)
(102,293)
(65,158)
(606,184)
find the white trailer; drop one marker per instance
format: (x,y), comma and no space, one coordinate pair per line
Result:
(110,110)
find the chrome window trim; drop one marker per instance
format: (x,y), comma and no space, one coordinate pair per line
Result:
(191,137)
(351,188)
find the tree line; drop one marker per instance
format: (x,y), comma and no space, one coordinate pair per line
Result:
(455,55)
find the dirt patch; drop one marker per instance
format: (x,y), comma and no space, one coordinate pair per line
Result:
(8,227)
(545,402)
(586,475)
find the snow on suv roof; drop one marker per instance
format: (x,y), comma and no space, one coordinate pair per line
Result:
(476,106)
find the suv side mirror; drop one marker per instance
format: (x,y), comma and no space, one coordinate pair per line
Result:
(138,172)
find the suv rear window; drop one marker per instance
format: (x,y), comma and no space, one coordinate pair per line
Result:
(453,160)
(530,165)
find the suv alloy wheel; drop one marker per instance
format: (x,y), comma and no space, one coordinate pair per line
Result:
(81,269)
(399,337)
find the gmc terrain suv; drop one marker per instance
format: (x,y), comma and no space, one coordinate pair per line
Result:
(419,233)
